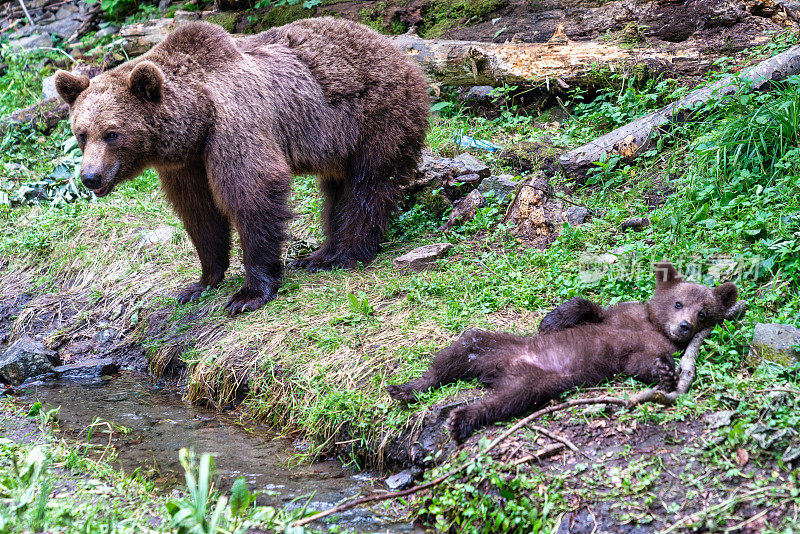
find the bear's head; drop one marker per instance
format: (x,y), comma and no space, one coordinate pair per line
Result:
(681,309)
(113,119)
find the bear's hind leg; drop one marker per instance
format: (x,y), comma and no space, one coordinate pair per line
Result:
(208,228)
(334,189)
(512,395)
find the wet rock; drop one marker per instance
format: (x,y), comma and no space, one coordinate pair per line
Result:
(423,257)
(502,186)
(36,40)
(472,165)
(636,223)
(88,369)
(464,210)
(24,359)
(576,215)
(159,235)
(404,479)
(777,343)
(479,93)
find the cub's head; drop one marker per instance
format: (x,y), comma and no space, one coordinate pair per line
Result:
(681,309)
(113,119)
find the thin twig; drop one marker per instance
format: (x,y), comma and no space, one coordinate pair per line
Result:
(557,437)
(376,497)
(25,10)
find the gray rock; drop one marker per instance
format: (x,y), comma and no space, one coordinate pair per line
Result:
(576,215)
(24,359)
(479,93)
(472,165)
(159,235)
(776,343)
(108,30)
(423,257)
(64,28)
(49,87)
(502,186)
(66,11)
(400,481)
(88,369)
(33,41)
(719,419)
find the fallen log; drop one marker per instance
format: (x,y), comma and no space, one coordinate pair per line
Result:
(636,137)
(558,63)
(43,116)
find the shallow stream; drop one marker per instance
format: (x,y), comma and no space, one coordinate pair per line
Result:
(152,424)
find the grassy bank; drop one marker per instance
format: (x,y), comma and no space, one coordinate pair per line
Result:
(315,362)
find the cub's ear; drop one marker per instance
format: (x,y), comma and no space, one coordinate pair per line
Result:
(727,294)
(667,275)
(145,81)
(70,86)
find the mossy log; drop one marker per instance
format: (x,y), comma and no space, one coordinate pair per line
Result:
(43,116)
(636,137)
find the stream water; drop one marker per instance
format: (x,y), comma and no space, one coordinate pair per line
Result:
(153,424)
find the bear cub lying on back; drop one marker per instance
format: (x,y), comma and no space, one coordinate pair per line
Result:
(578,344)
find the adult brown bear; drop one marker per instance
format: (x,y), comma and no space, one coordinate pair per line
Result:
(578,344)
(226,122)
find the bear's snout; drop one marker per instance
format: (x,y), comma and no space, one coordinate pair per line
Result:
(92,180)
(685,327)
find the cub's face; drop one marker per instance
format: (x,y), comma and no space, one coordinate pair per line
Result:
(681,309)
(112,119)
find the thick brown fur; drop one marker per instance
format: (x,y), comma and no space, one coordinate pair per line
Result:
(226,122)
(579,344)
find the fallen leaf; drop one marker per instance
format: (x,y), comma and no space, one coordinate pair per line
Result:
(742,457)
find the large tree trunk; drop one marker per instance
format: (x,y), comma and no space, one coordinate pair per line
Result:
(636,137)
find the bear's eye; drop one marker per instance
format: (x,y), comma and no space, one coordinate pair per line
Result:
(81,138)
(110,136)
(701,315)
(678,305)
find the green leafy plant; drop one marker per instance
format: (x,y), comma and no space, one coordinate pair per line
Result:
(196,514)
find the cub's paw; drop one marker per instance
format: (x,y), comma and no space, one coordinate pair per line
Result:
(247,299)
(461,424)
(402,392)
(667,377)
(191,292)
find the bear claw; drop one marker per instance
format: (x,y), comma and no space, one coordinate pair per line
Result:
(248,300)
(460,425)
(401,392)
(192,292)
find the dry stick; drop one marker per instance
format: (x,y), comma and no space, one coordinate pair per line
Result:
(688,373)
(25,10)
(376,497)
(557,437)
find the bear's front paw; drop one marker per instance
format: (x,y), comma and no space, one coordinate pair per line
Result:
(667,377)
(248,300)
(402,392)
(461,424)
(191,292)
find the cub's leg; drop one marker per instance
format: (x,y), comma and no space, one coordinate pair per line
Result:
(512,395)
(475,354)
(187,189)
(650,369)
(573,312)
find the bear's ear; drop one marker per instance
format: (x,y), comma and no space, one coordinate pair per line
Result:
(70,86)
(145,81)
(727,294)
(667,275)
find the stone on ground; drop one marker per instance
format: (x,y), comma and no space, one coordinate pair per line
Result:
(423,257)
(24,359)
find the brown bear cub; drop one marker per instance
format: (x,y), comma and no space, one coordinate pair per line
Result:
(578,344)
(226,122)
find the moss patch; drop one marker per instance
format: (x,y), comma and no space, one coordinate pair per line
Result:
(225,19)
(441,15)
(280,15)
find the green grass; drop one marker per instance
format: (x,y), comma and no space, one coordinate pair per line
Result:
(318,358)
